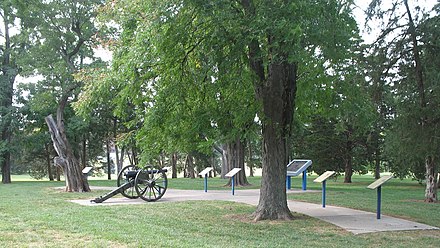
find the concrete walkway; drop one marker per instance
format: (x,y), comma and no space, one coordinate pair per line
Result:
(354,221)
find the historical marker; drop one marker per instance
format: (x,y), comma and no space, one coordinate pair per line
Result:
(232,174)
(296,167)
(323,179)
(204,174)
(378,186)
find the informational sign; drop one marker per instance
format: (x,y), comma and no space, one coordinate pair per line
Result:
(323,179)
(233,172)
(297,166)
(324,176)
(205,171)
(86,170)
(377,185)
(379,182)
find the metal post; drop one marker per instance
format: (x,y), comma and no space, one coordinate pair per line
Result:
(206,183)
(323,193)
(289,182)
(379,199)
(304,182)
(233,184)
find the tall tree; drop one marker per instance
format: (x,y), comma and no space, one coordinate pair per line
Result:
(60,34)
(8,73)
(286,30)
(415,120)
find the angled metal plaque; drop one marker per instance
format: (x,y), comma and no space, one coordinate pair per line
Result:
(205,171)
(233,172)
(297,166)
(324,176)
(379,182)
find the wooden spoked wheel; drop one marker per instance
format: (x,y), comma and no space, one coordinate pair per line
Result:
(151,183)
(127,175)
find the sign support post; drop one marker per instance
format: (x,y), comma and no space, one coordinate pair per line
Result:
(377,185)
(379,201)
(304,182)
(289,182)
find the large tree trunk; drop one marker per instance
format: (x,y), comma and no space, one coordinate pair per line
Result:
(277,96)
(431,180)
(235,159)
(65,159)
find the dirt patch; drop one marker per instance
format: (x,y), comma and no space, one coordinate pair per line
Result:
(246,218)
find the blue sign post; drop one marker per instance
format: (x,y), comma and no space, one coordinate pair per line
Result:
(304,182)
(296,167)
(289,182)
(377,185)
(323,179)
(232,174)
(204,174)
(379,201)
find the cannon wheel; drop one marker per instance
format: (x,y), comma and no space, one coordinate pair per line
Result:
(122,179)
(151,184)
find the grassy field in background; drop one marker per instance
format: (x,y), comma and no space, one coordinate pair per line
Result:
(35,214)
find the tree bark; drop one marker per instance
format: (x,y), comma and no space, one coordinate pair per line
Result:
(348,156)
(431,180)
(190,167)
(109,167)
(235,159)
(65,159)
(84,152)
(251,164)
(49,164)
(174,165)
(225,167)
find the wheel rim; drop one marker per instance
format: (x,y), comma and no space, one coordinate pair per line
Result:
(122,179)
(151,184)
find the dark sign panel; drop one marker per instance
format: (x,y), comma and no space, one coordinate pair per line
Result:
(297,166)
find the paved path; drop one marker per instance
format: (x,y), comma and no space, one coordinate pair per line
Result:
(354,221)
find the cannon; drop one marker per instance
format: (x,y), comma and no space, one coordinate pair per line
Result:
(149,183)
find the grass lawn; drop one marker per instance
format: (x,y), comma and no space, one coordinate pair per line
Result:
(34,214)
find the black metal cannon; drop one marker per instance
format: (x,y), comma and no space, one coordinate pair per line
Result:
(149,184)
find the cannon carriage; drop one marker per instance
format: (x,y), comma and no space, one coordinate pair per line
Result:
(149,184)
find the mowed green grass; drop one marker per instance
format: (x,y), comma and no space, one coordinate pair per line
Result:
(36,214)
